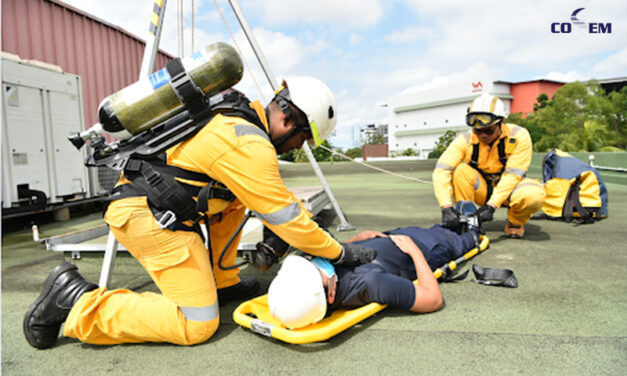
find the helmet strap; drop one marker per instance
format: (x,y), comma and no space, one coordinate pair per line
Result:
(283,100)
(293,132)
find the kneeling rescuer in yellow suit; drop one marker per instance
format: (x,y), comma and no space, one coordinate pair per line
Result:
(237,154)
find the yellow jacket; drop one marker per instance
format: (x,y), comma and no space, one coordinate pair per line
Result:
(240,155)
(518,150)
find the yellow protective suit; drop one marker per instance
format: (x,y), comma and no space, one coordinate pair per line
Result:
(454,179)
(240,155)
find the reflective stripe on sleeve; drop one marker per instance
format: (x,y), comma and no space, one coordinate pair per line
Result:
(515,171)
(515,129)
(245,130)
(206,313)
(281,216)
(444,166)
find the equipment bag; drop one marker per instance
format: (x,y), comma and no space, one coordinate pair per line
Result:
(573,189)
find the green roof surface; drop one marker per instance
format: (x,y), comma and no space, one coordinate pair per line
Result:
(567,317)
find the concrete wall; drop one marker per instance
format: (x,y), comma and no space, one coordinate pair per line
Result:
(526,93)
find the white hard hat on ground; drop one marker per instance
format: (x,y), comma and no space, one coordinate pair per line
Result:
(485,111)
(315,100)
(296,296)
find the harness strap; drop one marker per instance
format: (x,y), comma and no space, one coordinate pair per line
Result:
(232,103)
(489,178)
(573,202)
(186,90)
(164,192)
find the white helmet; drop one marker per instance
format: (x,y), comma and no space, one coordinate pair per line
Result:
(296,296)
(485,111)
(315,100)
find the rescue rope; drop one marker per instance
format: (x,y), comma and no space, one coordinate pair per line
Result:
(193,11)
(376,168)
(228,29)
(179,27)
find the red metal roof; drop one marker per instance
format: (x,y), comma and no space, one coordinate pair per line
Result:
(106,57)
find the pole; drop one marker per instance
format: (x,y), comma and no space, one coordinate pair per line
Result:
(148,65)
(152,42)
(344,225)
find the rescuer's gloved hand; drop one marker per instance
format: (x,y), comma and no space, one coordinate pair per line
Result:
(264,258)
(269,250)
(450,218)
(277,244)
(486,213)
(354,255)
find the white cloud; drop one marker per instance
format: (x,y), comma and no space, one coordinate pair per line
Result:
(516,34)
(471,74)
(412,34)
(569,76)
(356,38)
(614,66)
(344,13)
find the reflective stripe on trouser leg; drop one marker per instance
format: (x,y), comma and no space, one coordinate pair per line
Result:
(179,265)
(220,233)
(469,185)
(526,199)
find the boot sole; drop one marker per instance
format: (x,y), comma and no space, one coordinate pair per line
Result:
(58,270)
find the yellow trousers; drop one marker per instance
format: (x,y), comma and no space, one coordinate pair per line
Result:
(186,312)
(526,198)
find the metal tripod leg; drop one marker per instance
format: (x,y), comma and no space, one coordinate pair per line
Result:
(344,225)
(109,260)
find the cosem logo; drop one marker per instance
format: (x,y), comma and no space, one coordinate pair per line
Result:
(591,27)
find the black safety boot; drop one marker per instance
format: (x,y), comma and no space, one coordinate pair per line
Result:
(61,291)
(245,289)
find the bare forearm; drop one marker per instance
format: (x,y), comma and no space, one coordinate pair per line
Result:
(428,294)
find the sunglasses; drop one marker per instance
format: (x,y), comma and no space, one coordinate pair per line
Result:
(487,130)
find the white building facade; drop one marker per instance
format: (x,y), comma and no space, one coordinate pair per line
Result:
(416,120)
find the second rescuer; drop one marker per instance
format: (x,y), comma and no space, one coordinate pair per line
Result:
(487,165)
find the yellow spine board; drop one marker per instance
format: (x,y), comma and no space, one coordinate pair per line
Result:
(254,314)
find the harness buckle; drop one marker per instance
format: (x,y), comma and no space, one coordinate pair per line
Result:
(166,219)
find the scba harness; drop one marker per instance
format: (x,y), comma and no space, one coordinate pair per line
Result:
(491,179)
(172,201)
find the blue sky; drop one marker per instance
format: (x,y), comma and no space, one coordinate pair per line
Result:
(368,51)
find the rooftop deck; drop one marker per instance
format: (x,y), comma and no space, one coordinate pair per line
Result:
(567,317)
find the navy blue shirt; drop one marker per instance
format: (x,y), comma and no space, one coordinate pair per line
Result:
(388,279)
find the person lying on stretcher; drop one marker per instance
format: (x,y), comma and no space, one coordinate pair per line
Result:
(305,288)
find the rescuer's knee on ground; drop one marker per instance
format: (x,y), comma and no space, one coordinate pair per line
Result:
(199,331)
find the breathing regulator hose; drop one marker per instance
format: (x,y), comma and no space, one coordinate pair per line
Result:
(267,253)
